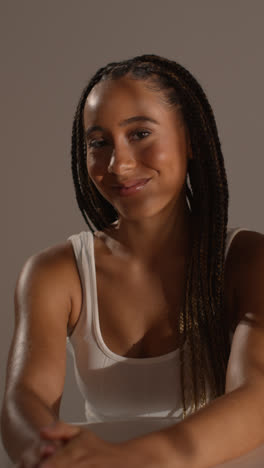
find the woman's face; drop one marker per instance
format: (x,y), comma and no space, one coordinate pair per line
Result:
(132,135)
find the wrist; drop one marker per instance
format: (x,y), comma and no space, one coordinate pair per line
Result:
(156,450)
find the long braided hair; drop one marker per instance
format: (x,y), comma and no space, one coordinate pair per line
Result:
(203,331)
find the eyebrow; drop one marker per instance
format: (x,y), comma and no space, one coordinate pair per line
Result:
(136,118)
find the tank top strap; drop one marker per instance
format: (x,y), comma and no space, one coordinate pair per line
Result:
(231,233)
(82,244)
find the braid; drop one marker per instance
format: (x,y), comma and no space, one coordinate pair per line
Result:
(203,331)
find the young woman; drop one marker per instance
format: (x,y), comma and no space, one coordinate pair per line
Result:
(161,303)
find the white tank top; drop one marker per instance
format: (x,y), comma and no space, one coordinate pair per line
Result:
(114,387)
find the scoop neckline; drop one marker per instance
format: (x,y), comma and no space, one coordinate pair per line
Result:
(98,334)
(117,357)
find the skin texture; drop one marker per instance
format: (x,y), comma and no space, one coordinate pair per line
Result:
(154,228)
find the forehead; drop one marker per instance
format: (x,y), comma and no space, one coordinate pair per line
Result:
(122,98)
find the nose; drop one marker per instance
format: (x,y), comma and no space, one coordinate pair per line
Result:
(121,160)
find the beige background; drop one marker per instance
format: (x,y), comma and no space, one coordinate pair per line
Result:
(50,48)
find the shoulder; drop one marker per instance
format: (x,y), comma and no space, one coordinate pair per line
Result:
(51,272)
(246,273)
(49,262)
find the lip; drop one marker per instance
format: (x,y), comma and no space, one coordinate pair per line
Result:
(131,189)
(130,183)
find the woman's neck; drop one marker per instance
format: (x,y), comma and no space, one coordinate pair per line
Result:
(154,240)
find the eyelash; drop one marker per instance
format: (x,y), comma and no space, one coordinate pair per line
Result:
(91,145)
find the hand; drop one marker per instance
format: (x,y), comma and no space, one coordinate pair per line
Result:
(84,449)
(37,452)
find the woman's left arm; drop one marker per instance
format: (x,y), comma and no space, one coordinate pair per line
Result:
(232,424)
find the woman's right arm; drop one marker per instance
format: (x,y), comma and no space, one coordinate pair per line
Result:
(37,357)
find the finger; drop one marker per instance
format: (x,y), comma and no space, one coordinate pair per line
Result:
(47,450)
(32,457)
(60,430)
(64,457)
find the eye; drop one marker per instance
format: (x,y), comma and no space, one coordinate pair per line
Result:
(140,134)
(96,143)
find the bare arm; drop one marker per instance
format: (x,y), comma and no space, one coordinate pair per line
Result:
(37,357)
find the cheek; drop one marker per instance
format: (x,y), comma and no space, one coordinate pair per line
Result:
(164,156)
(95,166)
(154,155)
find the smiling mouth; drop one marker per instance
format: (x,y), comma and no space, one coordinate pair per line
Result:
(131,183)
(131,189)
